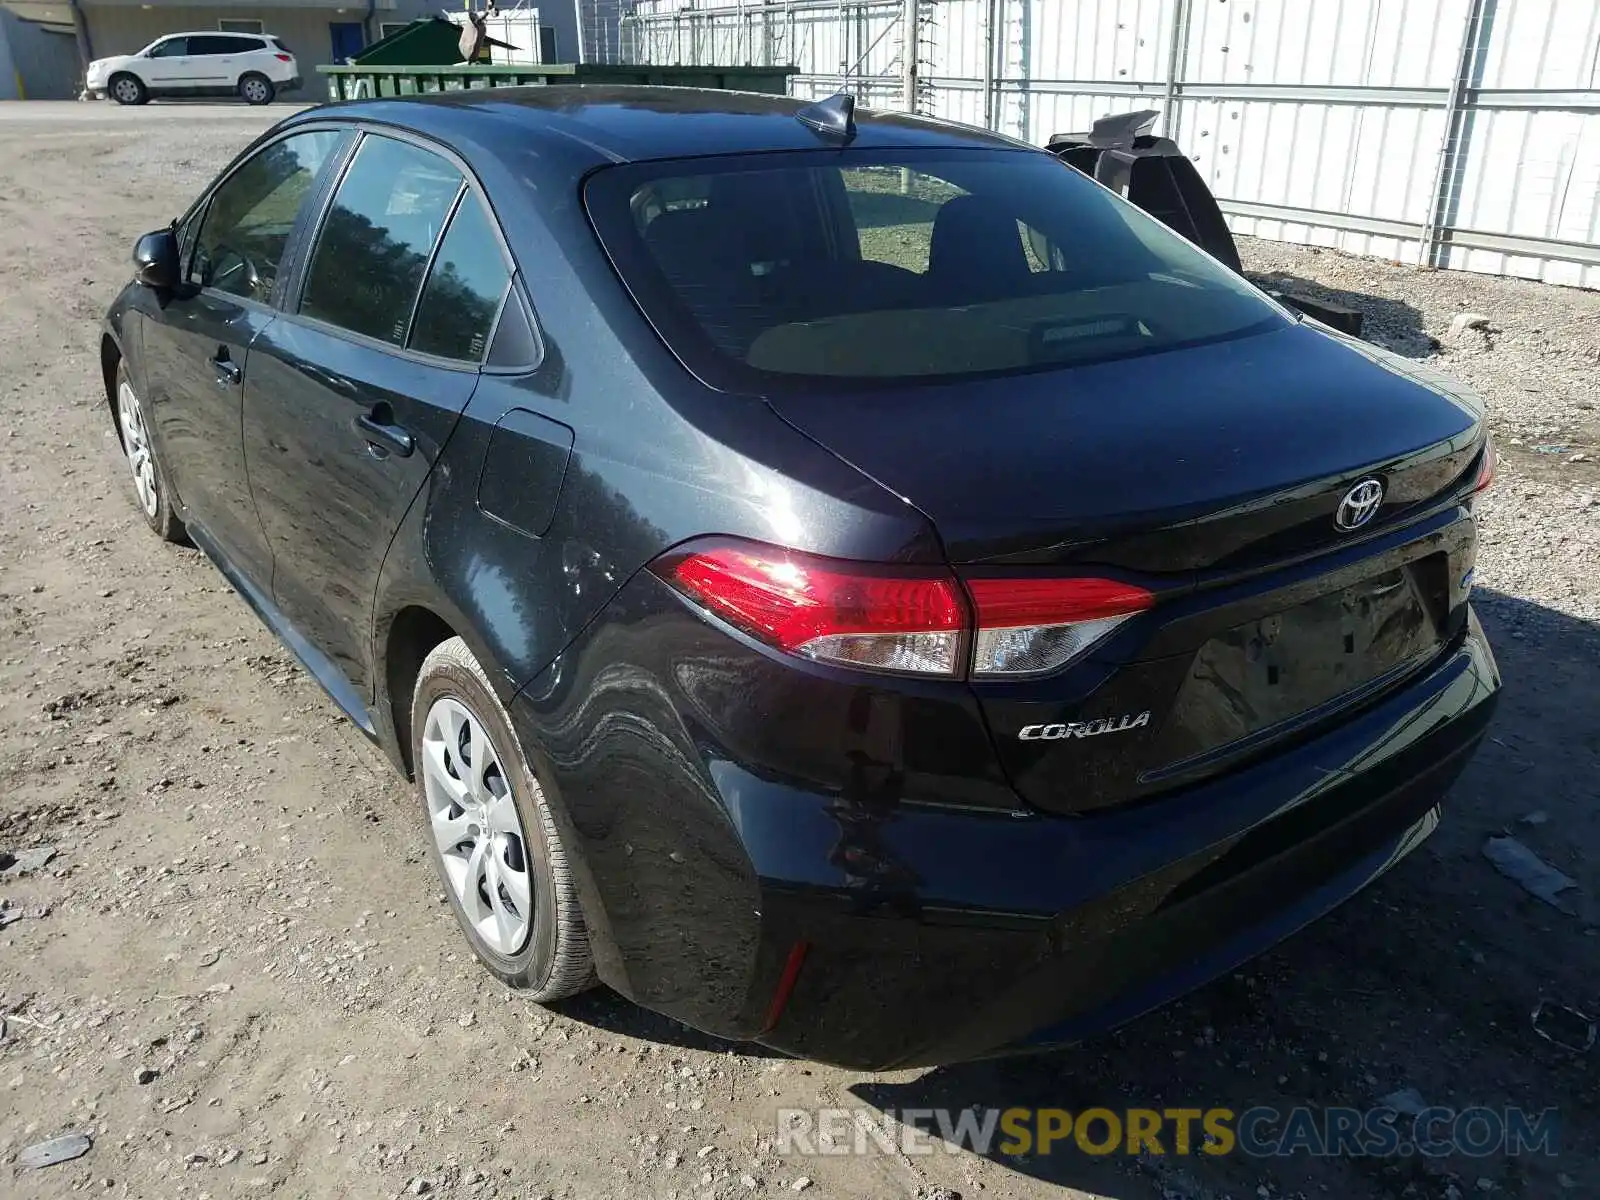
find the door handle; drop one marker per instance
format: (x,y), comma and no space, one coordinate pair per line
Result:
(229,373)
(383,436)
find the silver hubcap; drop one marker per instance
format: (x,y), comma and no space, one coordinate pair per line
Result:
(126,89)
(254,89)
(136,442)
(475,824)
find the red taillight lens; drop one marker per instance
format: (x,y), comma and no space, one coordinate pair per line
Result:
(865,616)
(908,620)
(1029,626)
(283,58)
(1486,472)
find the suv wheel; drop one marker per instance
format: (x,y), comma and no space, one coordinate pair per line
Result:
(491,834)
(149,481)
(256,89)
(127,89)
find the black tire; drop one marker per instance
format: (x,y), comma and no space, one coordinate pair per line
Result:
(152,493)
(256,89)
(127,89)
(555,962)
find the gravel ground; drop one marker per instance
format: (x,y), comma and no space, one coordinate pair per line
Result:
(1536,361)
(236,975)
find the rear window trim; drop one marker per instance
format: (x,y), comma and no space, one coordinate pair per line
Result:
(686,341)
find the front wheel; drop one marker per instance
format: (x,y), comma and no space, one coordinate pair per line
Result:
(127,89)
(149,481)
(257,89)
(491,833)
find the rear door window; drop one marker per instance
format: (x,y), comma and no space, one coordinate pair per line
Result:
(366,270)
(790,270)
(465,288)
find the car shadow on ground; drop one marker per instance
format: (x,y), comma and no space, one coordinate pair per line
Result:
(1427,980)
(1390,323)
(603,1009)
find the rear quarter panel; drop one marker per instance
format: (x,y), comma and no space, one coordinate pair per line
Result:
(656,457)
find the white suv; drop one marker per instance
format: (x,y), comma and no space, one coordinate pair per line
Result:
(252,66)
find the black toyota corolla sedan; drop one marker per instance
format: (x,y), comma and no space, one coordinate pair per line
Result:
(843,580)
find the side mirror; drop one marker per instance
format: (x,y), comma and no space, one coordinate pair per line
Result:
(155,260)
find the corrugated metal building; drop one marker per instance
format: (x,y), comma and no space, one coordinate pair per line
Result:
(38,59)
(1457,133)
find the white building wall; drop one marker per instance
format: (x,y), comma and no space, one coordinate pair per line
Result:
(1462,133)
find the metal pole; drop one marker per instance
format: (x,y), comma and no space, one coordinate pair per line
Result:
(80,33)
(1177,60)
(991,19)
(1457,121)
(844,47)
(910,51)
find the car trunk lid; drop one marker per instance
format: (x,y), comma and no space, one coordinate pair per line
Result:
(1213,477)
(1215,456)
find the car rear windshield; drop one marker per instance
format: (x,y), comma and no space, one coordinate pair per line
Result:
(813,268)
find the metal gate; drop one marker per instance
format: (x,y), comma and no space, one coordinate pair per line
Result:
(1450,133)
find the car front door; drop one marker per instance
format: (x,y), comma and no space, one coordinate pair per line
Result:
(170,65)
(349,400)
(196,352)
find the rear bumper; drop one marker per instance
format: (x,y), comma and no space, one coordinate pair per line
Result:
(933,935)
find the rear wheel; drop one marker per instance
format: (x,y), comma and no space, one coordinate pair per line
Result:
(149,481)
(490,832)
(127,89)
(256,89)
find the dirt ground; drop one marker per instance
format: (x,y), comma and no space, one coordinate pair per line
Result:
(239,911)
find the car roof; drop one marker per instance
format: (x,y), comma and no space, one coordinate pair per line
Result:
(210,33)
(628,123)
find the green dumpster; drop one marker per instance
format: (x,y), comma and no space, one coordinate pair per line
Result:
(431,41)
(368,79)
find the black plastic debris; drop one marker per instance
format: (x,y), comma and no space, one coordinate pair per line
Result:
(1563,1026)
(1151,172)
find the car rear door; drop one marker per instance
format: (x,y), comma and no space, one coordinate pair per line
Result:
(351,397)
(212,62)
(196,351)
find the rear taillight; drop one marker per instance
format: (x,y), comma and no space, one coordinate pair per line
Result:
(1486,471)
(1027,626)
(907,620)
(283,57)
(876,617)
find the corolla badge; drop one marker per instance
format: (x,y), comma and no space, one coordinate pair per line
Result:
(1360,505)
(1082,729)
